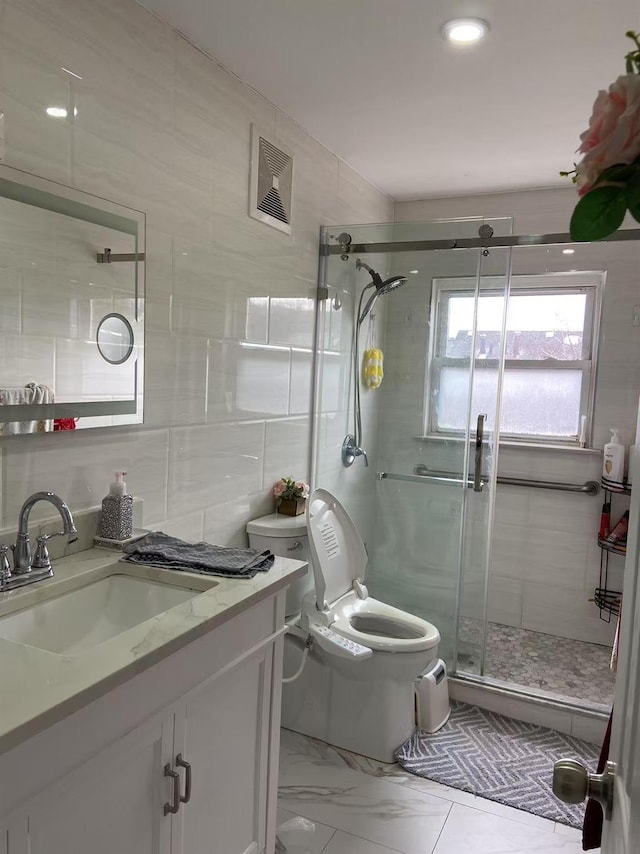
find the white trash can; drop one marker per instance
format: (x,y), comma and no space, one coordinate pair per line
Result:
(432,697)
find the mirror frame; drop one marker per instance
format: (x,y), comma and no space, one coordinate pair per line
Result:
(42,193)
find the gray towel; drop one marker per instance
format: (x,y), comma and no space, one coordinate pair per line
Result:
(158,549)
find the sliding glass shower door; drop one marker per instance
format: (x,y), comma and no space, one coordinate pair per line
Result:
(424,504)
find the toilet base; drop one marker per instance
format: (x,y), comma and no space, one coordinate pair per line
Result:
(367,707)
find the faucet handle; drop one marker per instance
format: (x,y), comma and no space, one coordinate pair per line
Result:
(5,568)
(44,537)
(41,559)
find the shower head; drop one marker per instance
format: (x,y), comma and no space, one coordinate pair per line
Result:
(391,284)
(380,287)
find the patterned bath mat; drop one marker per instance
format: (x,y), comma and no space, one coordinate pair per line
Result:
(498,758)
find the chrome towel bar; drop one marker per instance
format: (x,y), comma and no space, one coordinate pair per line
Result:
(424,475)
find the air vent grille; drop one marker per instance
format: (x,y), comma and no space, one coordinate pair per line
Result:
(271,184)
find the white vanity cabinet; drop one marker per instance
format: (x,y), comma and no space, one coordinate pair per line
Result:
(99,781)
(111,803)
(224,732)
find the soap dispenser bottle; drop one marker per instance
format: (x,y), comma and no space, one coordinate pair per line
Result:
(613,461)
(116,522)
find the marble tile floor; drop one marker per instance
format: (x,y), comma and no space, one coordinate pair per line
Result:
(569,669)
(360,806)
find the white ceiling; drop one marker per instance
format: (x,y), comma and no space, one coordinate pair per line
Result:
(374,81)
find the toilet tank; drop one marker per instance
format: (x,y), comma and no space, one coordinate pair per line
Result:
(285,536)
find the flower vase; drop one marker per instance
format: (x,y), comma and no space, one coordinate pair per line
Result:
(291,507)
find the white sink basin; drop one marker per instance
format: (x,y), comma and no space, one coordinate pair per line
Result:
(85,617)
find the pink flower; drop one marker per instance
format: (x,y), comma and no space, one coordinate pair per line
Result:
(303,488)
(279,489)
(613,135)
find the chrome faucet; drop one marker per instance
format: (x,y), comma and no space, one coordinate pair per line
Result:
(28,568)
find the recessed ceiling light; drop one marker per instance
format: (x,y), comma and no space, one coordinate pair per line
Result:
(413,272)
(464,30)
(568,251)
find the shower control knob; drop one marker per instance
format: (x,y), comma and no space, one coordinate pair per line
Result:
(573,784)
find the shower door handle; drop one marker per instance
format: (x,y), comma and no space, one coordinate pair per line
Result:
(477,474)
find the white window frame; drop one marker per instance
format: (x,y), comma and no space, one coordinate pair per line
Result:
(590,283)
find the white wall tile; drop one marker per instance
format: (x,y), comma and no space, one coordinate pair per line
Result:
(504,603)
(71,465)
(208,465)
(301,382)
(189,527)
(225,524)
(176,379)
(286,450)
(565,612)
(165,129)
(247,381)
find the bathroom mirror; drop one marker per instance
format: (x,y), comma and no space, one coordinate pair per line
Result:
(71,308)
(115,339)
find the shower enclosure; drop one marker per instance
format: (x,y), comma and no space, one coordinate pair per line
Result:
(424,503)
(415,459)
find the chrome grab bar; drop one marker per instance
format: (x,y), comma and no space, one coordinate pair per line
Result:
(591,487)
(424,475)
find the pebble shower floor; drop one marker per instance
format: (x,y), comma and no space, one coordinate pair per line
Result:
(572,669)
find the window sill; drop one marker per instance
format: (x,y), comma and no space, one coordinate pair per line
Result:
(520,446)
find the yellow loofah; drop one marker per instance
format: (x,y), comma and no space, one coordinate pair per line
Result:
(372,372)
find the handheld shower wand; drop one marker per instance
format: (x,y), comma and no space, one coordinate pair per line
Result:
(351,447)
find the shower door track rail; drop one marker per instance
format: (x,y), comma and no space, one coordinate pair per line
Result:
(472,243)
(424,475)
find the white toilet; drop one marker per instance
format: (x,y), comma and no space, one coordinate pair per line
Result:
(358,687)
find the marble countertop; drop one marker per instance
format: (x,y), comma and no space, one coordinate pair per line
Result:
(39,688)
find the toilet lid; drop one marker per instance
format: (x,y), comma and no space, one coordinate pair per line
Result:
(337,550)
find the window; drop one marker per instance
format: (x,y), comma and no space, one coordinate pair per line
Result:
(551,335)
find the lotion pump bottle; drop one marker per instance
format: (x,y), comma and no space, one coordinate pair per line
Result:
(116,522)
(613,461)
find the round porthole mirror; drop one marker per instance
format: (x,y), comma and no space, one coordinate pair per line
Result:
(114,338)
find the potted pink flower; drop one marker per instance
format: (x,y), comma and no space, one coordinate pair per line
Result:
(290,495)
(608,176)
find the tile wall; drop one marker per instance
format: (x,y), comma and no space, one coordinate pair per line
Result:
(156,125)
(545,561)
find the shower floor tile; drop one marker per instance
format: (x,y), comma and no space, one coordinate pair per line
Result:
(571,669)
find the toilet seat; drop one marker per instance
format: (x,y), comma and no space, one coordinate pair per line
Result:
(380,626)
(341,600)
